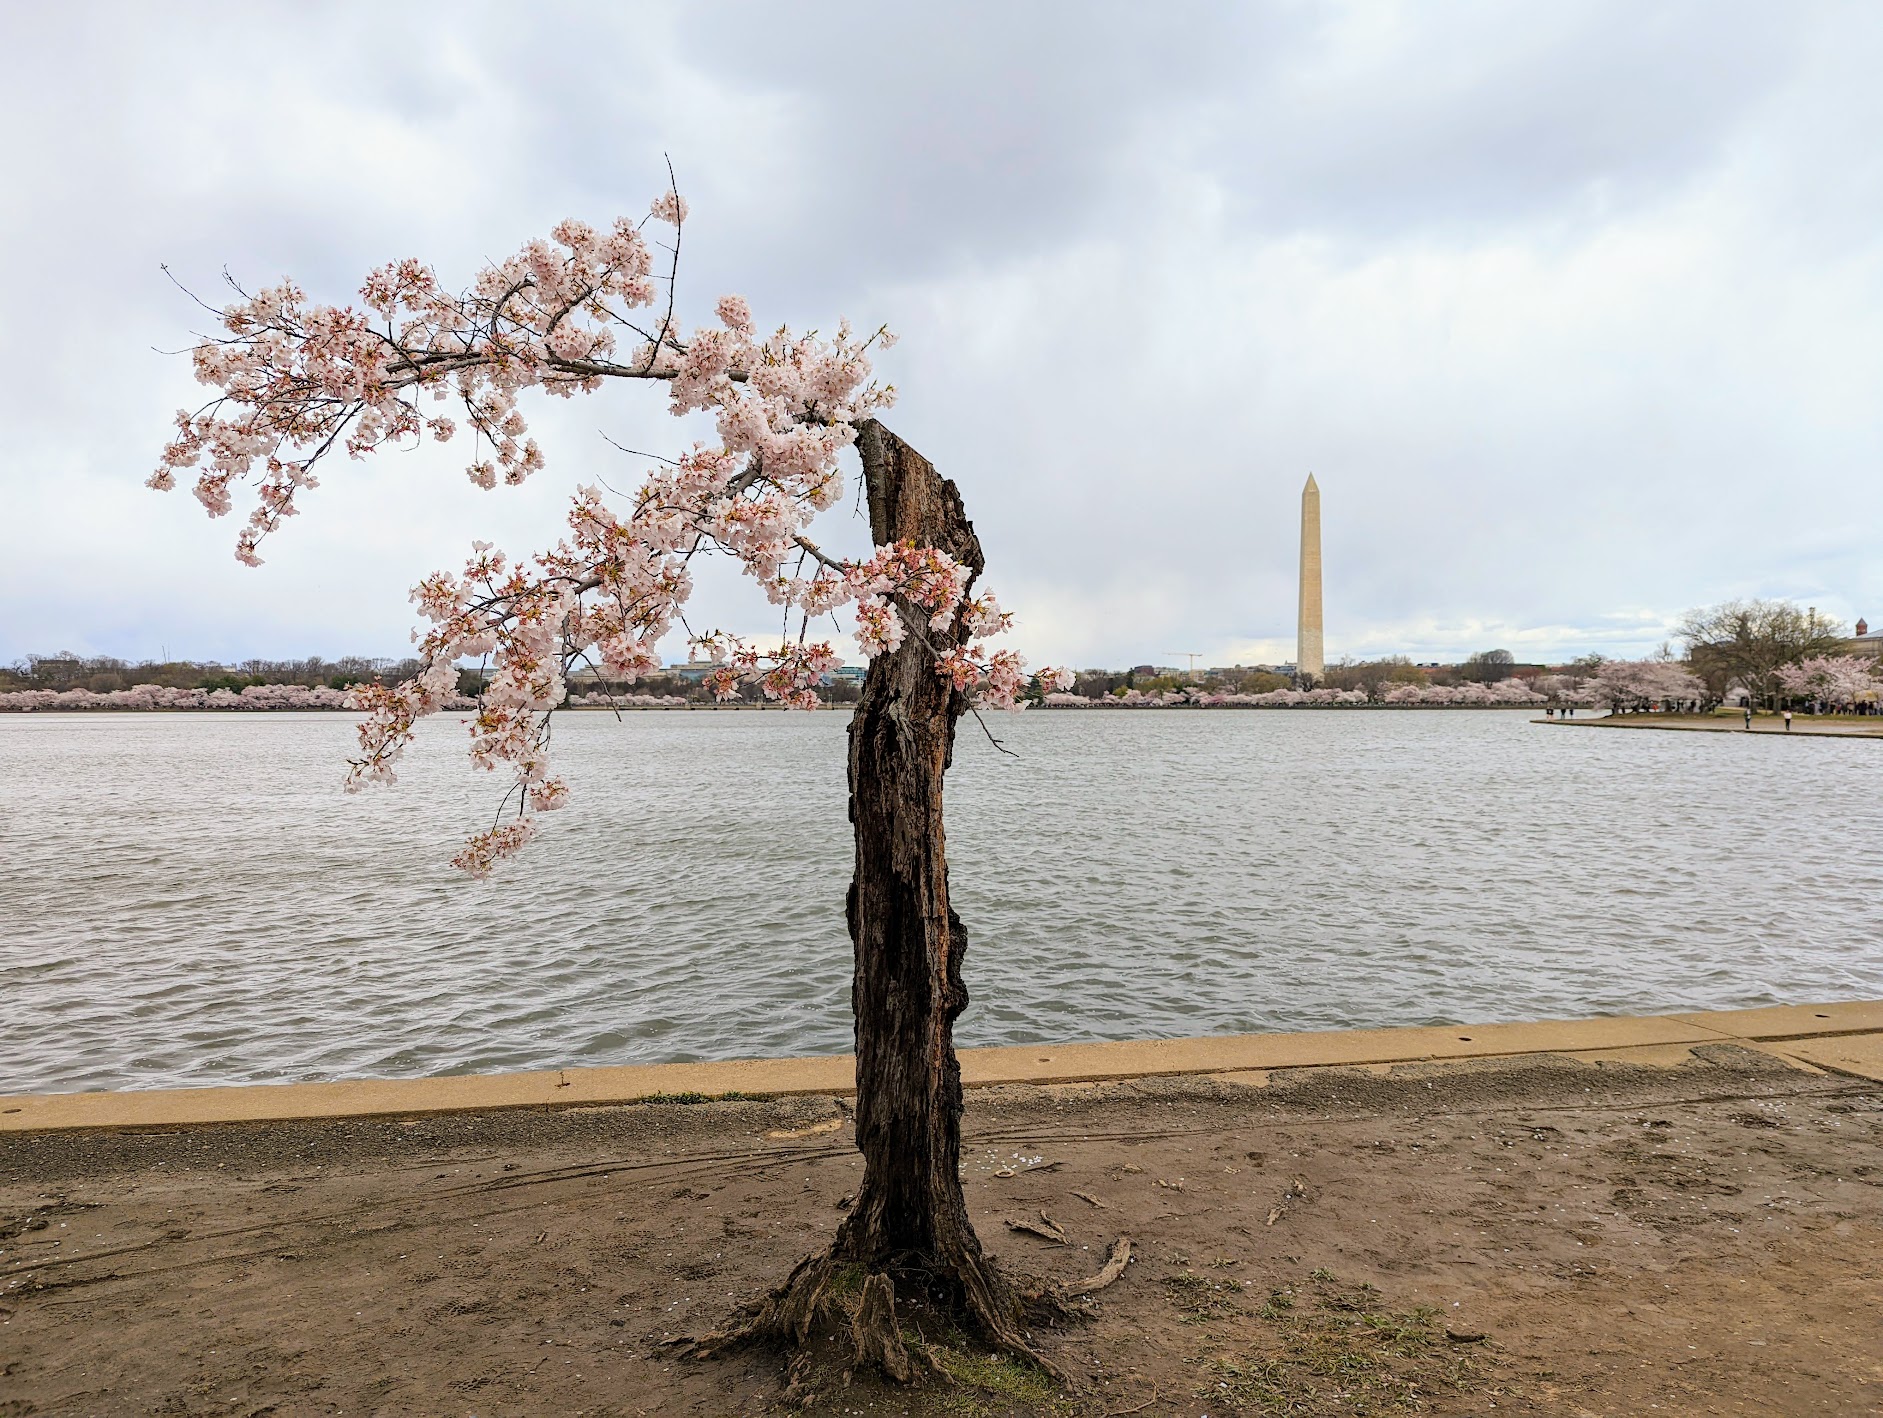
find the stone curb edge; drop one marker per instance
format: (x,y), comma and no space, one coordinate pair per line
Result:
(1845,1037)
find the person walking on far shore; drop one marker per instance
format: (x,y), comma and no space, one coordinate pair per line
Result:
(1748,715)
(1788,721)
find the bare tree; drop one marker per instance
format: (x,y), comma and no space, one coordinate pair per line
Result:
(1372,677)
(1748,642)
(1487,666)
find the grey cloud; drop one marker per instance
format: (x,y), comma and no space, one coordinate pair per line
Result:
(1575,311)
(1502,115)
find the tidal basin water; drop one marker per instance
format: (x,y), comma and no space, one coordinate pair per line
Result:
(190,899)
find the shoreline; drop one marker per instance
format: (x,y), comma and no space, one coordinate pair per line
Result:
(1685,724)
(1844,1037)
(1679,1227)
(782,709)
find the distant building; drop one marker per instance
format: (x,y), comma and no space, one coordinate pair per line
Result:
(847,674)
(1866,643)
(694,670)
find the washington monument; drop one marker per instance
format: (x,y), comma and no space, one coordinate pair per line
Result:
(1310,660)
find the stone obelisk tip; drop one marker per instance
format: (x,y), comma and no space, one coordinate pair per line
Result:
(1310,662)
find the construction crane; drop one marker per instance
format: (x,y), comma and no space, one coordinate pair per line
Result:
(1191,655)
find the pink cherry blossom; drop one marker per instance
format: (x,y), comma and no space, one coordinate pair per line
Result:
(1640,684)
(1838,680)
(878,627)
(295,380)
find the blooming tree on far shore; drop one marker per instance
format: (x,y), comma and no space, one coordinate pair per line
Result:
(296,380)
(1840,680)
(1564,689)
(1624,685)
(264,697)
(1509,693)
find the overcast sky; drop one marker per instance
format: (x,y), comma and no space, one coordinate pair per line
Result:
(1574,311)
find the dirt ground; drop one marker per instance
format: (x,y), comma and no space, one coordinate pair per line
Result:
(1536,1236)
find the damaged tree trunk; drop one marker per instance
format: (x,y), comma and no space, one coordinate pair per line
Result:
(910,1218)
(908,1232)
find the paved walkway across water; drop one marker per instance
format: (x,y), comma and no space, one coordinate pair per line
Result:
(1803,726)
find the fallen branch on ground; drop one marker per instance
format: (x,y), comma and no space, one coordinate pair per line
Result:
(1113,1269)
(1045,1228)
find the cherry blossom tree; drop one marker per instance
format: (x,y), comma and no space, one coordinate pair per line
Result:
(1564,689)
(1840,680)
(1625,685)
(295,381)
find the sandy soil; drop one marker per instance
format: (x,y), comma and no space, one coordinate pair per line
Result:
(1538,1236)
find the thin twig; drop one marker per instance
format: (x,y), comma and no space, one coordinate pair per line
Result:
(165,268)
(807,545)
(976,712)
(621,448)
(673,270)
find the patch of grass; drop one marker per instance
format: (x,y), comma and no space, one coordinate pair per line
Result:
(1201,1298)
(688,1099)
(979,1377)
(1345,1355)
(1277,1303)
(1413,1327)
(846,1284)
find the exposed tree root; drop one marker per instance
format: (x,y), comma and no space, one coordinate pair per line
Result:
(996,1314)
(786,1316)
(844,1295)
(874,1331)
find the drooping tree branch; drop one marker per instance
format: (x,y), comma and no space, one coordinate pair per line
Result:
(297,380)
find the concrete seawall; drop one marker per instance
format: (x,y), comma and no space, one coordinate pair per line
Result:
(1763,728)
(1844,1038)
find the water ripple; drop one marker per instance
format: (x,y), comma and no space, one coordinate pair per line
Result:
(189,899)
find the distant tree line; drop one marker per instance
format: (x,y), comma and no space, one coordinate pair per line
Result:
(105,674)
(102,674)
(1772,652)
(1374,678)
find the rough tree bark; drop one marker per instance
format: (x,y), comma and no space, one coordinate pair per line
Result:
(910,1216)
(908,1231)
